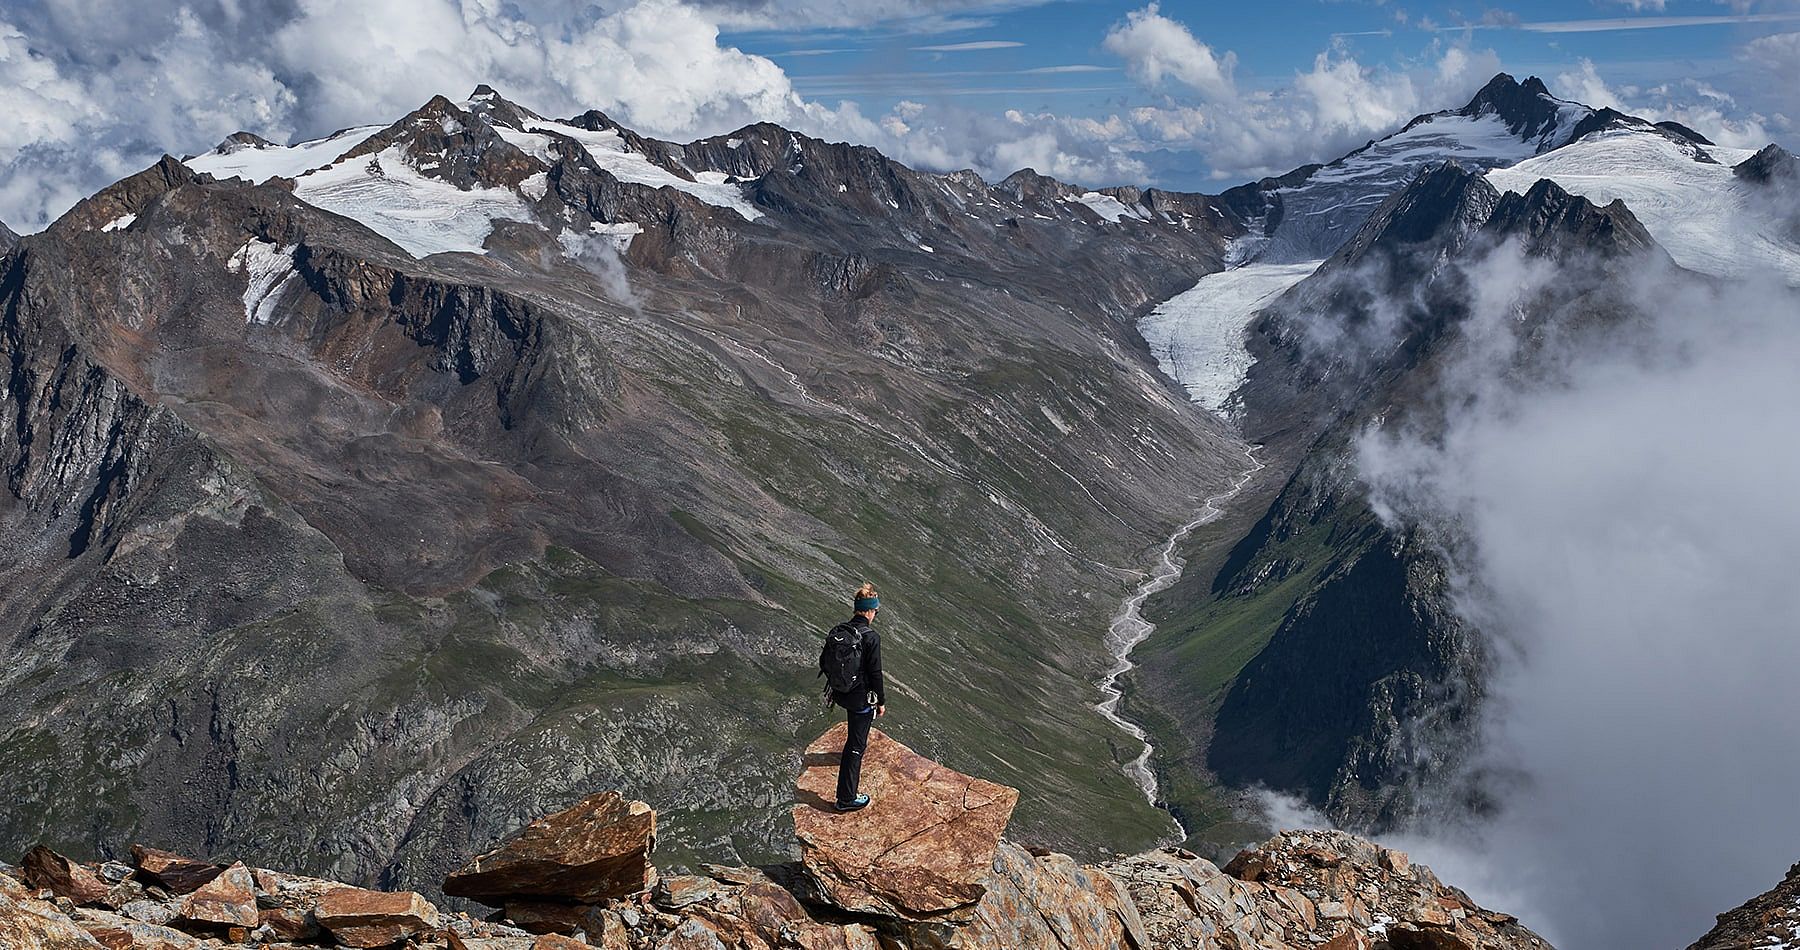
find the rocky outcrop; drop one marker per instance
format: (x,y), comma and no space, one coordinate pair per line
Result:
(1768,921)
(922,849)
(924,867)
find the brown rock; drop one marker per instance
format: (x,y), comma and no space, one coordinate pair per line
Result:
(359,918)
(558,942)
(1348,940)
(1410,937)
(545,917)
(1050,901)
(289,923)
(228,900)
(923,849)
(122,933)
(598,849)
(44,868)
(28,924)
(177,874)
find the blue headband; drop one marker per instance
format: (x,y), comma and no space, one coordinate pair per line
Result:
(867,603)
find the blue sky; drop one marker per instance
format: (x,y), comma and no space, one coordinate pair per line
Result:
(1272,39)
(1187,95)
(1669,58)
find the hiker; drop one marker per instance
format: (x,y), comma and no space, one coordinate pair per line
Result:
(851,665)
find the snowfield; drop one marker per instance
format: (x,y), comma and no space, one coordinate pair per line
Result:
(1702,214)
(423,215)
(258,165)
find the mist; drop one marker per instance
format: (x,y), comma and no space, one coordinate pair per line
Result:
(1623,524)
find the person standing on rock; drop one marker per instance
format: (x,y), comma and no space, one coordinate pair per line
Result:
(851,665)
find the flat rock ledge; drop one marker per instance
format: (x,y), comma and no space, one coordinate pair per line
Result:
(924,847)
(925,867)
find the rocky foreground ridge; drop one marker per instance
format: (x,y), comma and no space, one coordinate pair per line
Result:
(925,866)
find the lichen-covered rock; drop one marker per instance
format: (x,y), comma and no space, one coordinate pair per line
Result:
(596,850)
(923,849)
(30,924)
(1048,900)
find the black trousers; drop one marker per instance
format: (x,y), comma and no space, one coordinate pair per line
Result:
(856,739)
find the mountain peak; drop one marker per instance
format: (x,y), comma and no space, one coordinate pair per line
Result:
(1528,109)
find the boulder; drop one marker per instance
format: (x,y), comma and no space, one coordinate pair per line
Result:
(122,933)
(44,868)
(28,924)
(923,849)
(596,850)
(359,918)
(176,874)
(228,900)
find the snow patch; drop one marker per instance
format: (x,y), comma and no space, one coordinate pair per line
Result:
(268,269)
(1108,207)
(618,234)
(608,150)
(120,223)
(535,187)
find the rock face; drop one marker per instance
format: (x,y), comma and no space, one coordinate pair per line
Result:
(598,849)
(924,847)
(1769,920)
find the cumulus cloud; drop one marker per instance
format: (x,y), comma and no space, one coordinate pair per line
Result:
(1625,520)
(1691,102)
(1157,50)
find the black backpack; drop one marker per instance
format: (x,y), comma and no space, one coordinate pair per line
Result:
(841,661)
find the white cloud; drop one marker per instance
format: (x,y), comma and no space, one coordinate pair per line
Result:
(1157,49)
(1691,102)
(971,46)
(1337,105)
(1627,522)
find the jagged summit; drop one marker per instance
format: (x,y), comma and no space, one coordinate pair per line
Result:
(1771,164)
(8,238)
(1528,110)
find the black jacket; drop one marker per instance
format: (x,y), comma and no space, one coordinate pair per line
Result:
(871,670)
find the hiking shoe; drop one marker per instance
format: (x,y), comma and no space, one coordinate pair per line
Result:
(861,801)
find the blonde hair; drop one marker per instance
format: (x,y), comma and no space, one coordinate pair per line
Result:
(867,590)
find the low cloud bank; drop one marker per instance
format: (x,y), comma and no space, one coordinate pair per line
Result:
(1624,517)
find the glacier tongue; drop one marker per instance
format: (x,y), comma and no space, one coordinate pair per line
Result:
(1197,336)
